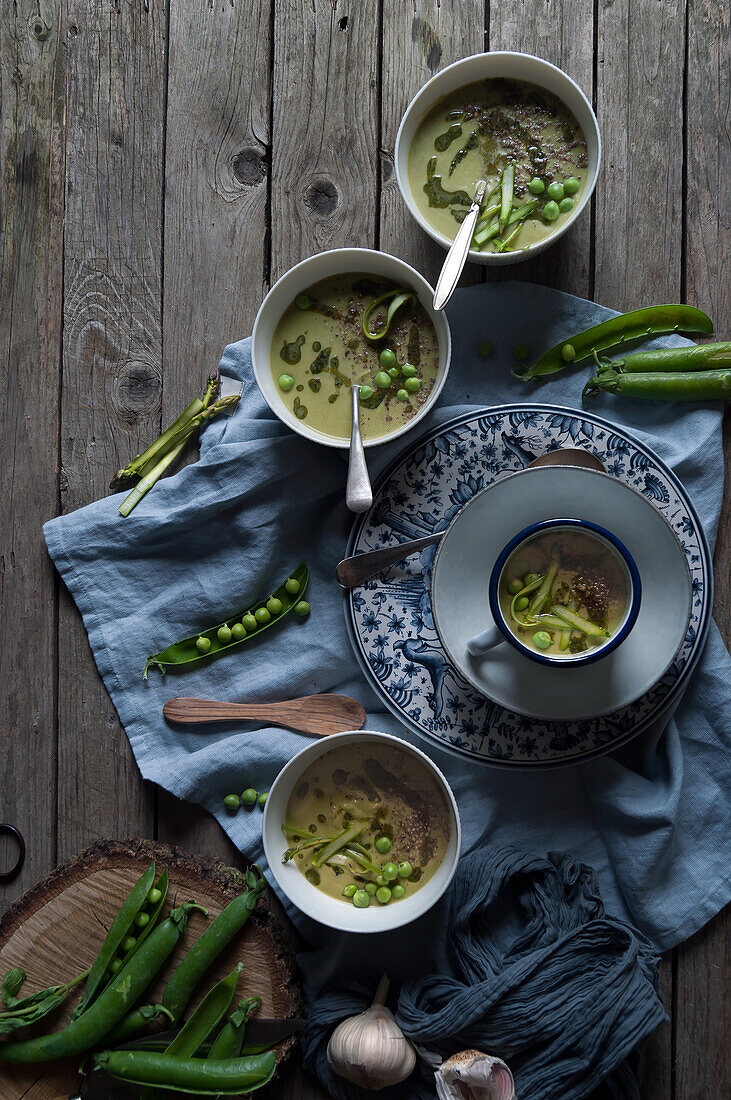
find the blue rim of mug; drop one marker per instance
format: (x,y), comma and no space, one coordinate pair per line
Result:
(582,658)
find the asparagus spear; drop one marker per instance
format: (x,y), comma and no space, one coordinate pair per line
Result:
(506,198)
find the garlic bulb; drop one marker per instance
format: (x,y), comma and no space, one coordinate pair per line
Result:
(371,1050)
(471,1075)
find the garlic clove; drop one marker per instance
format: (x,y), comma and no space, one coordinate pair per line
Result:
(471,1075)
(370,1049)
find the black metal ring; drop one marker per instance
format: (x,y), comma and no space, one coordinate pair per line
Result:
(10,830)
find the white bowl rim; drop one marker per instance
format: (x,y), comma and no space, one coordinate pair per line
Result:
(439,320)
(390,917)
(405,189)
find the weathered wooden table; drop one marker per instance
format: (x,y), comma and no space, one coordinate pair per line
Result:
(162,164)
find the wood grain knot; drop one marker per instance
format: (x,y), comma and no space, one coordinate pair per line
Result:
(322,197)
(343,24)
(136,389)
(39,29)
(248,166)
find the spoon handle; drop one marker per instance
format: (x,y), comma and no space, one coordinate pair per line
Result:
(351,572)
(457,255)
(358,492)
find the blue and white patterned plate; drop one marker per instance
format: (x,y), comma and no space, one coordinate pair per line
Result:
(389,619)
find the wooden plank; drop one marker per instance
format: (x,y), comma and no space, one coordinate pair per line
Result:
(325,133)
(703,1013)
(111,368)
(418,41)
(216,259)
(563,33)
(640,112)
(31,219)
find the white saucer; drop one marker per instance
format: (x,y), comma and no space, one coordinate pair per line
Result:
(461,573)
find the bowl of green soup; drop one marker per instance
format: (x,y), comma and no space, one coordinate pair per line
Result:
(361,832)
(517,122)
(351,315)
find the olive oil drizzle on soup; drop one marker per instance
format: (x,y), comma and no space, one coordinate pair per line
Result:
(319,349)
(475,132)
(391,808)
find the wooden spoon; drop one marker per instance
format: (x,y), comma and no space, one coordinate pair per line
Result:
(318,714)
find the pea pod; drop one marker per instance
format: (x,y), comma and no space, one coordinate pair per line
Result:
(709,385)
(29,1010)
(228,1077)
(696,357)
(121,924)
(210,943)
(135,1020)
(112,1004)
(640,324)
(186,652)
(230,1040)
(396,298)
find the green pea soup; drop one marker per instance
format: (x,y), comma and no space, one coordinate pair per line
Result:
(319,349)
(475,133)
(392,804)
(589,580)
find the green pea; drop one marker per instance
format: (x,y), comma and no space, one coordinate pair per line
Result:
(380,881)
(520,351)
(567,353)
(397,891)
(403,395)
(408,370)
(224,634)
(274,605)
(238,631)
(249,797)
(521,603)
(292,586)
(551,211)
(514,586)
(115,965)
(389,871)
(571,185)
(366,392)
(387,358)
(565,205)
(394,372)
(542,639)
(484,350)
(383,894)
(262,615)
(249,622)
(127,944)
(142,920)
(536,186)
(232,802)
(263,798)
(302,608)
(413,385)
(370,888)
(154,896)
(405,869)
(202,644)
(530,577)
(349,890)
(382,380)
(302,301)
(383,845)
(361,900)
(285,382)
(555,191)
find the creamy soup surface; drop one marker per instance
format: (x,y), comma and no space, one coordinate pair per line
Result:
(319,349)
(563,592)
(367,824)
(474,133)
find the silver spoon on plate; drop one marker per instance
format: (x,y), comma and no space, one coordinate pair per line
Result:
(457,255)
(358,492)
(359,568)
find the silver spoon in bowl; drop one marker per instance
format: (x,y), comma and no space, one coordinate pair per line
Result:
(457,255)
(359,568)
(358,492)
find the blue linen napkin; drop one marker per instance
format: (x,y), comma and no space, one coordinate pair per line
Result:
(652,819)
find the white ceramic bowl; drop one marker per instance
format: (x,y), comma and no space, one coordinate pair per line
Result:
(330,911)
(514,66)
(299,278)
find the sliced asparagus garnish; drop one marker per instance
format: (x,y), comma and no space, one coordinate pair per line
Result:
(506,196)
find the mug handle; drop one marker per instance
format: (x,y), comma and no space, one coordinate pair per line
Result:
(486,640)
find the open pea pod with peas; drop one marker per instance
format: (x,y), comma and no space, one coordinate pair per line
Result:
(234,631)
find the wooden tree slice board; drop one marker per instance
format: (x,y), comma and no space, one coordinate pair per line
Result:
(55,930)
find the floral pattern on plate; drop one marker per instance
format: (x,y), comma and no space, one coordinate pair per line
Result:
(389,619)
